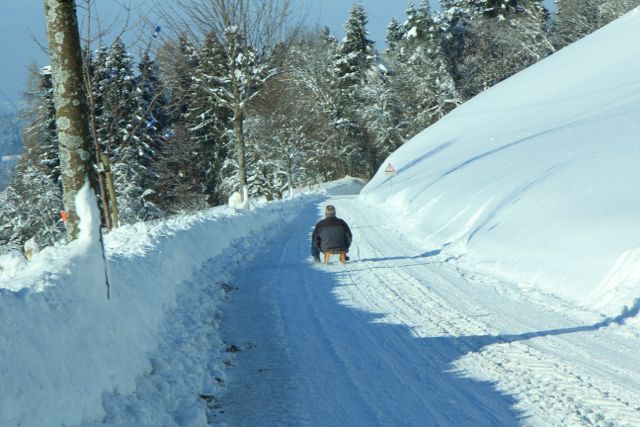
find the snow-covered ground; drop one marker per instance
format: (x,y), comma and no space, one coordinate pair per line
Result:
(404,336)
(487,286)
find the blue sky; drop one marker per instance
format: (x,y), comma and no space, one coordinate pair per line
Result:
(22,21)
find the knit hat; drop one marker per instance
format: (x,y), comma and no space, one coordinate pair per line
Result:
(330,210)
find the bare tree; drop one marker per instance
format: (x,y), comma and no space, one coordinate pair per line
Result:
(70,103)
(248,31)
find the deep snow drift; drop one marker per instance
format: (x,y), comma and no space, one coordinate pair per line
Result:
(536,180)
(69,355)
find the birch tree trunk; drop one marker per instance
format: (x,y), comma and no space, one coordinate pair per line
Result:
(70,103)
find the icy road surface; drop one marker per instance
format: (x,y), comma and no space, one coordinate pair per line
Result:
(399,337)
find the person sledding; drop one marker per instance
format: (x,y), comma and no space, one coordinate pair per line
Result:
(331,236)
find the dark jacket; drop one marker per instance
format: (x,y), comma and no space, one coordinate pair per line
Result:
(331,234)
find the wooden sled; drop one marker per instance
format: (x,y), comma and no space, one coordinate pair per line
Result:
(341,254)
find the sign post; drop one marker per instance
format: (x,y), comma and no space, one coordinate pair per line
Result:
(390,171)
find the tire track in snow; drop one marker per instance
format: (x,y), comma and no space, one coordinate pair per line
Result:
(344,366)
(405,340)
(553,390)
(310,378)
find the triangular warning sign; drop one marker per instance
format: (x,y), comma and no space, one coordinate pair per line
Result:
(390,169)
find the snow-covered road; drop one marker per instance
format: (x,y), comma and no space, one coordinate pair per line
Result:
(402,337)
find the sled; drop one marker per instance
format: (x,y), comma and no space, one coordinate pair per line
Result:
(342,255)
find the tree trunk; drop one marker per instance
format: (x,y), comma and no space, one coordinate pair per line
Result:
(70,103)
(238,123)
(290,175)
(373,160)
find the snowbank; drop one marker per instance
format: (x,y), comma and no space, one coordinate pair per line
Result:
(64,346)
(537,179)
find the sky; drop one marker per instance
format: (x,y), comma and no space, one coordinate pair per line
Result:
(22,23)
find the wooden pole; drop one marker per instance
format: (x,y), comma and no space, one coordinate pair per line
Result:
(115,213)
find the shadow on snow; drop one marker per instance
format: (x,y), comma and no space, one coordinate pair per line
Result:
(333,364)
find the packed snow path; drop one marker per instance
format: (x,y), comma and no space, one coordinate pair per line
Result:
(399,337)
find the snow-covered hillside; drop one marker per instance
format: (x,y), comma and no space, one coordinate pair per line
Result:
(536,180)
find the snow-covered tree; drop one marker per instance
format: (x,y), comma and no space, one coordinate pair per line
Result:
(40,133)
(613,9)
(123,126)
(245,73)
(281,139)
(394,34)
(181,186)
(354,63)
(502,39)
(209,120)
(574,19)
(310,72)
(151,122)
(501,9)
(33,202)
(421,77)
(249,32)
(356,55)
(384,117)
(578,18)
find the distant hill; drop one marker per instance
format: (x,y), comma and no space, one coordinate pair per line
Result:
(10,144)
(10,128)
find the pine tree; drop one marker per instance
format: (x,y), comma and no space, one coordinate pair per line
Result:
(33,202)
(613,9)
(181,186)
(209,120)
(152,122)
(501,9)
(384,115)
(578,18)
(40,134)
(310,67)
(574,20)
(394,34)
(421,76)
(356,51)
(355,60)
(502,39)
(124,135)
(411,24)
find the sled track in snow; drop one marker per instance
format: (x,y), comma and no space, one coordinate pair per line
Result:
(398,336)
(577,397)
(550,390)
